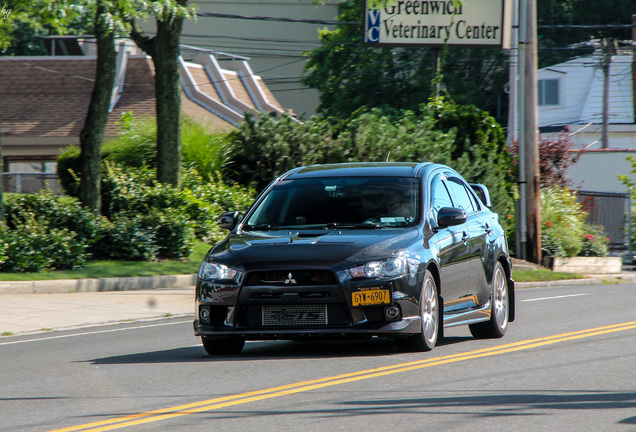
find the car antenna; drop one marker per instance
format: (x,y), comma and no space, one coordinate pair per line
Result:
(387,156)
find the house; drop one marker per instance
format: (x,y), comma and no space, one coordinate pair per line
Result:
(44,101)
(571,100)
(274,35)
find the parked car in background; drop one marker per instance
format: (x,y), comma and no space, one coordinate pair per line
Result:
(399,250)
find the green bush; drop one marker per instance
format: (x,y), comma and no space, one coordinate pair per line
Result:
(127,237)
(136,146)
(174,232)
(69,166)
(156,234)
(209,199)
(210,154)
(199,203)
(126,189)
(479,152)
(562,222)
(34,246)
(594,241)
(58,212)
(264,149)
(462,137)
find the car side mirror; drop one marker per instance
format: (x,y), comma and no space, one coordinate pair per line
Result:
(449,216)
(228,220)
(482,193)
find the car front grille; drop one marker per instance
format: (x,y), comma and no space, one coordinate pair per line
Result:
(294,315)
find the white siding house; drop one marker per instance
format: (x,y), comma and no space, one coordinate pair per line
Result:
(571,100)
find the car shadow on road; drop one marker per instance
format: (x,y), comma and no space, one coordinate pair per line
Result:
(273,350)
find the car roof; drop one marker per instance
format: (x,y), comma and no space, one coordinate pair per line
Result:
(361,169)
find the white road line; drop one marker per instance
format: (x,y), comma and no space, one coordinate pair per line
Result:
(552,298)
(92,333)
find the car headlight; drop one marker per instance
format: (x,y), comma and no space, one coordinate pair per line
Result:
(374,269)
(212,271)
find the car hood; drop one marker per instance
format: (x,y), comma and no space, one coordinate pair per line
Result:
(334,249)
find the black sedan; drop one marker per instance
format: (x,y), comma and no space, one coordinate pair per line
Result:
(398,250)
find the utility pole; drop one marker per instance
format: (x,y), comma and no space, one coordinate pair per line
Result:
(609,50)
(1,178)
(530,121)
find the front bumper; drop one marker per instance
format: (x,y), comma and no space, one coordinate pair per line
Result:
(403,327)
(261,311)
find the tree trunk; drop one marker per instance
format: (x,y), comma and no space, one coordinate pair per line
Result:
(92,135)
(168,96)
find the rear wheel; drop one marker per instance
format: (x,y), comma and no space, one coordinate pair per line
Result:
(429,318)
(499,307)
(222,346)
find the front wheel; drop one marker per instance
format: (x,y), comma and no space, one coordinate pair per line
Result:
(496,326)
(429,317)
(222,346)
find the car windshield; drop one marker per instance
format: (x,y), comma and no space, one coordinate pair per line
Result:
(346,202)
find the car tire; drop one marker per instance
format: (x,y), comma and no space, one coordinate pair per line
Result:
(496,326)
(222,346)
(430,319)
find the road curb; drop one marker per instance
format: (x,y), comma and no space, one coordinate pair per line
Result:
(182,281)
(96,285)
(608,279)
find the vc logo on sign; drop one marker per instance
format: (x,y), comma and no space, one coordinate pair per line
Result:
(373,24)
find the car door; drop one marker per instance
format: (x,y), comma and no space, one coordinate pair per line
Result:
(477,230)
(454,249)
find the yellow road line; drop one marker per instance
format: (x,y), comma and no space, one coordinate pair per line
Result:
(253,396)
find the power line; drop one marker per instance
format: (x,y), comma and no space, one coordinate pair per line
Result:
(359,23)
(278,19)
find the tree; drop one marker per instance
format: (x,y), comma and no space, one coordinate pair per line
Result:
(556,155)
(164,51)
(349,75)
(463,137)
(19,34)
(25,22)
(92,134)
(554,42)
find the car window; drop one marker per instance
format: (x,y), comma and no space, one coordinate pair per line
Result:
(473,199)
(462,198)
(310,203)
(440,197)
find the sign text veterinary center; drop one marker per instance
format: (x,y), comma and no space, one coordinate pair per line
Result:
(468,23)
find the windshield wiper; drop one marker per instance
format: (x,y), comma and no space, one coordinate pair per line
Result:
(268,227)
(364,225)
(261,227)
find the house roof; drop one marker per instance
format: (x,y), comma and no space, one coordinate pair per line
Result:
(49,96)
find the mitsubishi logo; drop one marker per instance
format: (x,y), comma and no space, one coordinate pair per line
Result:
(290,279)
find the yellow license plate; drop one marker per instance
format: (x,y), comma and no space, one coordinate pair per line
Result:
(371,297)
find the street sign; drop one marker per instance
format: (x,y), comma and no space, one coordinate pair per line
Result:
(465,24)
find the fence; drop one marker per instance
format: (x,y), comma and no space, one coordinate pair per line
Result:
(612,211)
(30,182)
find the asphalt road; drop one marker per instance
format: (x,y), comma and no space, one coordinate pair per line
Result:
(567,364)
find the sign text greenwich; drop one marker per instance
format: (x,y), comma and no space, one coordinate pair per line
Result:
(467,23)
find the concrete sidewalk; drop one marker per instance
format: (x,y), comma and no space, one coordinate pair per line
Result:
(32,313)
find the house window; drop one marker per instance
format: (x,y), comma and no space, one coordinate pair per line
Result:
(32,166)
(548,92)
